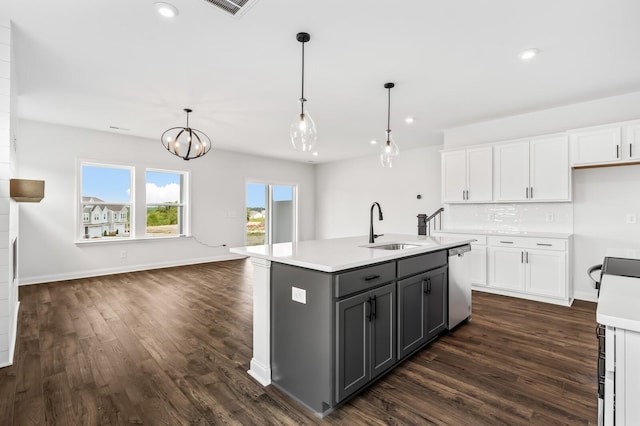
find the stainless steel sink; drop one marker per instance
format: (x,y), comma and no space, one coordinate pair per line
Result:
(395,246)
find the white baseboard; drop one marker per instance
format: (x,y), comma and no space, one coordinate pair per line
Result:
(586,296)
(123,269)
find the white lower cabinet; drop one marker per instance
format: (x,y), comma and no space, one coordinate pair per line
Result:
(529,267)
(479,264)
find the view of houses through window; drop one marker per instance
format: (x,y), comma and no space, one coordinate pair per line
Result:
(270,214)
(107,202)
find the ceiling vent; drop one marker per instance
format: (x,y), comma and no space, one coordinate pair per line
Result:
(235,8)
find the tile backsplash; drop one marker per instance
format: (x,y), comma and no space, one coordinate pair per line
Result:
(529,217)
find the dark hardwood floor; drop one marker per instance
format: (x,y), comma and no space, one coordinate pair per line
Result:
(172,346)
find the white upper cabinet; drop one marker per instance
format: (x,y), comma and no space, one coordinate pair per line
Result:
(536,170)
(596,146)
(512,172)
(549,169)
(631,142)
(467,175)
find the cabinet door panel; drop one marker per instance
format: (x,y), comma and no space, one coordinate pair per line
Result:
(511,170)
(352,345)
(453,176)
(631,146)
(480,174)
(549,169)
(595,146)
(411,334)
(506,268)
(436,318)
(546,273)
(383,354)
(478,265)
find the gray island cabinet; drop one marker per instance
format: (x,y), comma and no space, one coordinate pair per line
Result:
(332,329)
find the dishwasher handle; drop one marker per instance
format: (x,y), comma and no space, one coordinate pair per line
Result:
(459,251)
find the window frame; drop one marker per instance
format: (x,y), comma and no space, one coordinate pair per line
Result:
(80,204)
(184,203)
(137,198)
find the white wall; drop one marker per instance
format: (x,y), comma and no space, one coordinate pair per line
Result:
(601,197)
(346,189)
(8,208)
(48,251)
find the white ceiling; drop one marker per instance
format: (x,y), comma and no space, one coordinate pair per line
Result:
(101,63)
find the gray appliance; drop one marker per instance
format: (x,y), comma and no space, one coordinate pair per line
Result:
(459,285)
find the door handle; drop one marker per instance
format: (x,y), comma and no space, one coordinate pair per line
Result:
(531,192)
(527,257)
(527,192)
(521,257)
(630,150)
(369,303)
(371,277)
(617,151)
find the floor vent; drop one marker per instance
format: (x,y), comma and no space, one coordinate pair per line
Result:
(235,8)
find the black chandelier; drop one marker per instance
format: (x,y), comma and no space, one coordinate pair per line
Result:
(185,142)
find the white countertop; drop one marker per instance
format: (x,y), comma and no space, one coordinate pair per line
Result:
(498,232)
(338,254)
(619,302)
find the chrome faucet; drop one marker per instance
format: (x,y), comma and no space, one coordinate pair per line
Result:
(372,236)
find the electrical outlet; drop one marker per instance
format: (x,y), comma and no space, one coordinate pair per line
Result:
(631,218)
(123,254)
(299,295)
(549,217)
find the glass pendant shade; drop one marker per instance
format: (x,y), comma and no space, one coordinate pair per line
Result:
(303,132)
(186,142)
(389,152)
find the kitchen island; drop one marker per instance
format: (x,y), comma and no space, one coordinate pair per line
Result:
(330,316)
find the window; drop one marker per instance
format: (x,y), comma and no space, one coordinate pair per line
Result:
(271,214)
(107,202)
(104,189)
(165,200)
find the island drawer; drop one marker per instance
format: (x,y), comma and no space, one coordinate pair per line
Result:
(365,278)
(422,263)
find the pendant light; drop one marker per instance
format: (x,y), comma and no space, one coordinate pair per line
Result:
(303,130)
(185,142)
(389,151)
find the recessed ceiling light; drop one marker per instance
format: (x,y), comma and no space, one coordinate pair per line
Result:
(315,153)
(409,120)
(166,9)
(529,54)
(373,142)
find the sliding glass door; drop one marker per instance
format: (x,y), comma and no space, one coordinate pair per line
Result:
(271,213)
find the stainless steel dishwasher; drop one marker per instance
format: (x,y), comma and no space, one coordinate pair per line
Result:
(459,285)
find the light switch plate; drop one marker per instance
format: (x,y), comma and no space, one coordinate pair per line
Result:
(631,218)
(299,295)
(549,217)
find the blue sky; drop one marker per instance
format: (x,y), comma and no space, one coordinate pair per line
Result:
(256,194)
(112,184)
(107,183)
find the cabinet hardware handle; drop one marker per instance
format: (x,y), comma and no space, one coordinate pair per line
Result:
(374,305)
(371,277)
(428,285)
(506,242)
(527,257)
(630,150)
(531,192)
(521,257)
(467,195)
(369,303)
(617,151)
(527,191)
(544,244)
